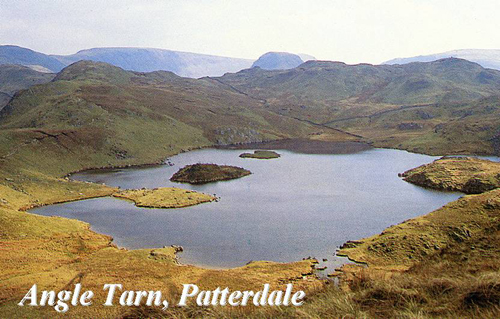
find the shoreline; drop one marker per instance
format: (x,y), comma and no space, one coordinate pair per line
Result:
(163,163)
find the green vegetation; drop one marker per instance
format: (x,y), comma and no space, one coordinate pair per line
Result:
(463,174)
(449,106)
(207,173)
(166,197)
(261,155)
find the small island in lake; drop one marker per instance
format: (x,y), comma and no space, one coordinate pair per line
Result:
(207,173)
(261,155)
(165,197)
(464,174)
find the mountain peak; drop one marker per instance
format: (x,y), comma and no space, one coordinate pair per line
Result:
(278,61)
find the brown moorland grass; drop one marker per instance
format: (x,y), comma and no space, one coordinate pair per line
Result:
(165,197)
(465,174)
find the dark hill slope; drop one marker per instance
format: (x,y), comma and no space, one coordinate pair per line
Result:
(4,99)
(17,77)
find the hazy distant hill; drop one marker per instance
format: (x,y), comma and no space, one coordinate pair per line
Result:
(11,54)
(486,58)
(135,59)
(278,61)
(185,64)
(147,60)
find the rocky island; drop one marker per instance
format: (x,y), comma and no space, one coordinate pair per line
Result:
(464,174)
(207,173)
(261,155)
(165,197)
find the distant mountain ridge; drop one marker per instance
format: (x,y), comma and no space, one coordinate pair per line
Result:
(185,64)
(12,54)
(486,58)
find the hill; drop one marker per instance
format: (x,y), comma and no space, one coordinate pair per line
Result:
(98,115)
(17,77)
(417,106)
(11,54)
(486,58)
(278,61)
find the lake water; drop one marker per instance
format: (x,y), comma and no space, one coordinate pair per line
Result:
(293,207)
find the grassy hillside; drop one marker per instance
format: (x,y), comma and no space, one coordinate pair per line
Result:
(322,83)
(100,115)
(448,106)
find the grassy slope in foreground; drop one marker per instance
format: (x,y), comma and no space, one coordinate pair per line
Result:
(207,173)
(261,155)
(165,197)
(464,174)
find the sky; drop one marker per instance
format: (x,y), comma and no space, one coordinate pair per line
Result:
(352,31)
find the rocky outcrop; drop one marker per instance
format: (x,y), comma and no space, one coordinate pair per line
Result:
(207,173)
(464,174)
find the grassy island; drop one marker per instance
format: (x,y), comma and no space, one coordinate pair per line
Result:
(165,197)
(207,173)
(464,174)
(261,155)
